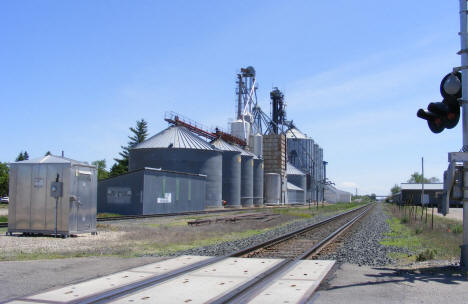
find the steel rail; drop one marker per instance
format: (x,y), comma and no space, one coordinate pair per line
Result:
(112,294)
(250,289)
(294,233)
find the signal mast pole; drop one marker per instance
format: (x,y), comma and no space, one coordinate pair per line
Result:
(464,103)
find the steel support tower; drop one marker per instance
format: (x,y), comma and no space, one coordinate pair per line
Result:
(464,103)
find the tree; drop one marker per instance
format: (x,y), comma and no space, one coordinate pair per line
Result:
(48,153)
(101,167)
(416,178)
(139,134)
(22,156)
(395,189)
(4,179)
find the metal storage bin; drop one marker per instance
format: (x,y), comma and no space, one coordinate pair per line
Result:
(32,202)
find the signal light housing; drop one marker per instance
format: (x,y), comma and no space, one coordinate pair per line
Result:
(445,114)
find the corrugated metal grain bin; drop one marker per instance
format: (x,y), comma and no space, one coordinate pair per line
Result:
(231,173)
(258,182)
(247,164)
(272,188)
(177,149)
(299,179)
(152,191)
(32,206)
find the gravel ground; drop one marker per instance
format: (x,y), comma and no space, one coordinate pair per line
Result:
(228,247)
(361,244)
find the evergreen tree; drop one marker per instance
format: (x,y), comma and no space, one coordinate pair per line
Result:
(101,167)
(139,134)
(4,179)
(48,153)
(22,156)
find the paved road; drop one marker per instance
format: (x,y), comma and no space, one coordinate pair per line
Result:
(369,285)
(21,278)
(454,213)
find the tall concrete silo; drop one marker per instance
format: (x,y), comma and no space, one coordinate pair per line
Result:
(176,148)
(231,173)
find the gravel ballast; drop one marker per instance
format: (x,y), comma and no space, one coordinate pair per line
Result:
(361,244)
(232,246)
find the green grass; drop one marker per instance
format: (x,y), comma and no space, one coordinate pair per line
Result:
(3,206)
(3,218)
(416,235)
(106,215)
(401,236)
(144,248)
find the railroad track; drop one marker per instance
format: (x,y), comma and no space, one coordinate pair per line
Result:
(293,247)
(133,217)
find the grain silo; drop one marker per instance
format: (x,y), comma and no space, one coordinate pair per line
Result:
(301,155)
(247,164)
(177,149)
(272,188)
(231,173)
(258,182)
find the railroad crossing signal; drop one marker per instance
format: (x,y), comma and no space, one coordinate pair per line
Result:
(445,114)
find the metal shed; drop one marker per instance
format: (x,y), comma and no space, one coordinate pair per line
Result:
(152,191)
(231,173)
(33,185)
(295,194)
(177,149)
(297,178)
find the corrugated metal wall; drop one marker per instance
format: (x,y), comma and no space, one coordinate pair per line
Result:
(149,191)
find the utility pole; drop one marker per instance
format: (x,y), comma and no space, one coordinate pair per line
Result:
(464,102)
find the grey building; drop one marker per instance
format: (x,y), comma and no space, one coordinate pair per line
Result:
(410,194)
(152,191)
(178,149)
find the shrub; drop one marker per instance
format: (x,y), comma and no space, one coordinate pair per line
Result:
(458,228)
(428,254)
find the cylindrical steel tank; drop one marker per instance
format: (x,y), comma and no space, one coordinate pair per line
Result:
(247,164)
(272,189)
(176,148)
(231,193)
(258,182)
(256,144)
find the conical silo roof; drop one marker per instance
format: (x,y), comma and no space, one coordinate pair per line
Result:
(175,137)
(223,146)
(295,133)
(245,152)
(291,170)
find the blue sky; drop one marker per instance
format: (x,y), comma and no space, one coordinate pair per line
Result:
(77,74)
